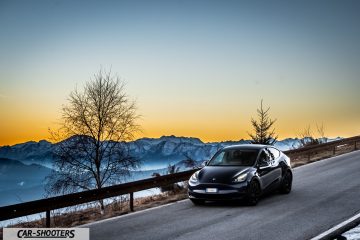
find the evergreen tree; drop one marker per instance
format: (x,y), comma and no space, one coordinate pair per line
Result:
(262,127)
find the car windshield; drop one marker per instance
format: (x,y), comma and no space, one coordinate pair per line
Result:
(234,157)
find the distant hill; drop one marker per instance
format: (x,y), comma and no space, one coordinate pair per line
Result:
(20,182)
(30,152)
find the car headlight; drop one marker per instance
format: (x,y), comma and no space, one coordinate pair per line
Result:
(241,178)
(194,177)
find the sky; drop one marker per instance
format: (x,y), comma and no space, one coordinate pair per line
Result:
(195,68)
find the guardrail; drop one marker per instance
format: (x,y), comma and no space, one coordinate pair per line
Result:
(309,150)
(68,200)
(48,204)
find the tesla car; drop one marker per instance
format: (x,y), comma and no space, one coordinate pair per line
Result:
(241,172)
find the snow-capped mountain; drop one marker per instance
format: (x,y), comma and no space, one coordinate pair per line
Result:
(30,152)
(154,153)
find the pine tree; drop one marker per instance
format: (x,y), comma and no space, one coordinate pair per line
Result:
(263,133)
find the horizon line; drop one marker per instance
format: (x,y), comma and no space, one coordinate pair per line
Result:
(172,135)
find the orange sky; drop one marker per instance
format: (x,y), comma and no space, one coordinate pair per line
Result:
(30,122)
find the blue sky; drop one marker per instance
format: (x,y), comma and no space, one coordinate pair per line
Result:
(196,68)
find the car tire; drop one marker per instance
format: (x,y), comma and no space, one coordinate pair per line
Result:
(197,201)
(286,184)
(253,194)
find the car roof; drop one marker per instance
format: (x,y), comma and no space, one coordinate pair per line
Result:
(247,146)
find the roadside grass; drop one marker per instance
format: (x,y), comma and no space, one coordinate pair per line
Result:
(120,205)
(75,216)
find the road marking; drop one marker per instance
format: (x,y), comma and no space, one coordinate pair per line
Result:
(336,228)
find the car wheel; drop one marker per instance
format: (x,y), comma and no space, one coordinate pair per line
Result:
(253,194)
(197,201)
(286,183)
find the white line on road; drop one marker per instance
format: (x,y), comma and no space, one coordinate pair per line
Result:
(326,234)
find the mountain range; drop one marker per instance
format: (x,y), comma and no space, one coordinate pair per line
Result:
(24,166)
(153,152)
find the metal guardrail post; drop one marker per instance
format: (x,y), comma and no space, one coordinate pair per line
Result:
(131,201)
(47,218)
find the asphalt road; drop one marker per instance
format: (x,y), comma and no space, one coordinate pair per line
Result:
(324,194)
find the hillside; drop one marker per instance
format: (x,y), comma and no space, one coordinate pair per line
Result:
(20,182)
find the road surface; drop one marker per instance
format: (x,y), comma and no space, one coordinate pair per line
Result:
(324,194)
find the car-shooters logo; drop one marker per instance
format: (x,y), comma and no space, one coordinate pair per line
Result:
(46,233)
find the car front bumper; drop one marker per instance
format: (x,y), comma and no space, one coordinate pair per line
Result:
(224,191)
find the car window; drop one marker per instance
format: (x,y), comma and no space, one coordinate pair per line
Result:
(234,157)
(218,158)
(264,159)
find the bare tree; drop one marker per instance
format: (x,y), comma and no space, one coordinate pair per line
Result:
(189,162)
(262,127)
(173,187)
(308,138)
(171,169)
(95,124)
(321,132)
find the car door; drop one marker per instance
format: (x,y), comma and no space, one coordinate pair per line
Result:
(275,164)
(264,168)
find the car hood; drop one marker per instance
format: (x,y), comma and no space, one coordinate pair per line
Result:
(220,174)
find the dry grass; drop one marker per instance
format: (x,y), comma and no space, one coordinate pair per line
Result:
(120,206)
(92,213)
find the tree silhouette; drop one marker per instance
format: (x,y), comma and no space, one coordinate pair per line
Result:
(307,136)
(91,152)
(262,127)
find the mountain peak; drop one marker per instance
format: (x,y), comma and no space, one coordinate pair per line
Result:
(181,139)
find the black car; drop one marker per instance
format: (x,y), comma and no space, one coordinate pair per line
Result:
(241,172)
